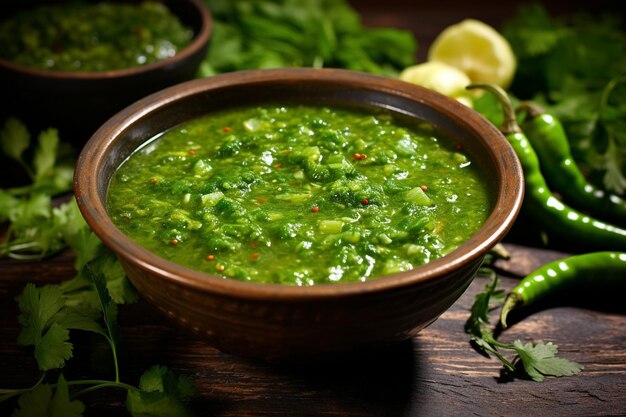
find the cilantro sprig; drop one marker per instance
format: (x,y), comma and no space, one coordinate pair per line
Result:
(88,302)
(534,360)
(50,314)
(35,227)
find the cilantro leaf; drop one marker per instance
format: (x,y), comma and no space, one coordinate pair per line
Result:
(46,153)
(118,286)
(30,212)
(40,402)
(14,138)
(7,205)
(76,318)
(53,348)
(537,360)
(161,393)
(34,403)
(61,404)
(76,233)
(477,323)
(540,360)
(37,306)
(46,321)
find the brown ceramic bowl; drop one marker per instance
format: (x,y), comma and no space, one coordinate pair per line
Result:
(78,102)
(272,321)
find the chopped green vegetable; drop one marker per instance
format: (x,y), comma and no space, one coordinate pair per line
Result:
(537,360)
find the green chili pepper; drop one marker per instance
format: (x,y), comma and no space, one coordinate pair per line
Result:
(595,269)
(548,138)
(552,215)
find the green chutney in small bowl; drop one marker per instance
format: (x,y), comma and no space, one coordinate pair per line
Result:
(86,36)
(283,214)
(299,195)
(73,64)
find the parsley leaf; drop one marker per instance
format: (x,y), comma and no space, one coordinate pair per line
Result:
(161,393)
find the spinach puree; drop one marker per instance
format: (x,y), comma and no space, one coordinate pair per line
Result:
(299,195)
(102,36)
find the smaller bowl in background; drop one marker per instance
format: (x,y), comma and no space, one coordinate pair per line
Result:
(78,102)
(274,321)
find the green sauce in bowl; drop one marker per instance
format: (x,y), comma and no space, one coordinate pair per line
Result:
(299,195)
(104,36)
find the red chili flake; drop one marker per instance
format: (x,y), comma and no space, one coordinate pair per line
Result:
(210,258)
(254,244)
(262,200)
(227,129)
(220,268)
(287,151)
(277,165)
(255,256)
(192,152)
(315,209)
(424,188)
(153,181)
(174,242)
(365,201)
(359,156)
(458,146)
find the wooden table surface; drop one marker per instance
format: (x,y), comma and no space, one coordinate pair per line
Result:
(435,374)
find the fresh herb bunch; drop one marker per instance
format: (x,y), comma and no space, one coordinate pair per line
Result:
(575,67)
(535,361)
(253,34)
(87,302)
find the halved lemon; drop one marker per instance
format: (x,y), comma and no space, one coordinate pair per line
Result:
(440,77)
(478,50)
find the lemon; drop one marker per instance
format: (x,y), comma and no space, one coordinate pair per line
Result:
(478,50)
(440,77)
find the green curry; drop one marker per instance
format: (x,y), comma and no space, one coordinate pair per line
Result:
(299,195)
(76,36)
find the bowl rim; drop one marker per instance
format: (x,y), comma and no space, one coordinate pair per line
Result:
(199,41)
(505,207)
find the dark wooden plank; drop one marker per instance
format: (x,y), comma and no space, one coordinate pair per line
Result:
(435,374)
